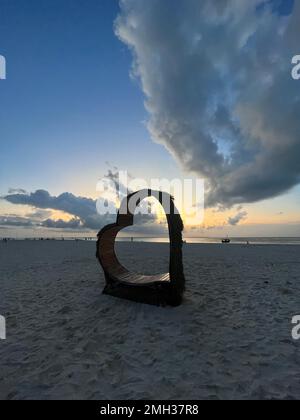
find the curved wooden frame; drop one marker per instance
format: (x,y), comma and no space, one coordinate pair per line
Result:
(161,290)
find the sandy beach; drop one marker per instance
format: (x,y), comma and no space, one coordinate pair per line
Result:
(231,339)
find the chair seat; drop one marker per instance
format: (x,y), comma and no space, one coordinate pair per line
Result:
(139,279)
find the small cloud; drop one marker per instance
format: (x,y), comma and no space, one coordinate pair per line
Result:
(61,224)
(16,191)
(238,218)
(39,214)
(15,221)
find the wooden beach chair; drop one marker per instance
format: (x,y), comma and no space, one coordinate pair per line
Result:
(160,290)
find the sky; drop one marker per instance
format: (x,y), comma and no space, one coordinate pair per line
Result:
(172,90)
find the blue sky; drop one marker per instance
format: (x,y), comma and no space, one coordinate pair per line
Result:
(68,97)
(69,106)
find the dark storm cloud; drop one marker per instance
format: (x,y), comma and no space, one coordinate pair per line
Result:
(219,91)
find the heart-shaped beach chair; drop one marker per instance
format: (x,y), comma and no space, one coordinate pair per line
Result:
(161,290)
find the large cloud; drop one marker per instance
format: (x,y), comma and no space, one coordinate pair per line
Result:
(69,203)
(218,86)
(83,209)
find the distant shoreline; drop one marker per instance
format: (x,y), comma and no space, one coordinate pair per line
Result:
(234,241)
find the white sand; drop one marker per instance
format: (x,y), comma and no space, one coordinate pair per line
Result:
(230,339)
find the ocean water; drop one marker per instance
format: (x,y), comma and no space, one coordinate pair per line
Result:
(202,240)
(254,241)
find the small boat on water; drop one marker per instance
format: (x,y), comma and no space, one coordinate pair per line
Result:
(226,241)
